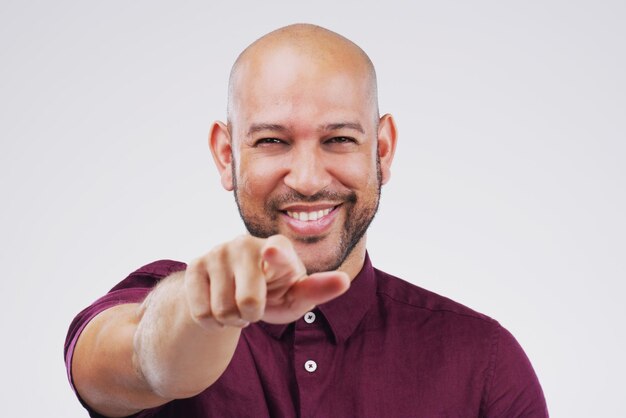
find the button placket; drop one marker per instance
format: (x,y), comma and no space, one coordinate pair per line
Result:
(310,365)
(312,354)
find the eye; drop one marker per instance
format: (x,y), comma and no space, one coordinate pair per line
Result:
(267,141)
(341,140)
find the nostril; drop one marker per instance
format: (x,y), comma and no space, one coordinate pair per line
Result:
(307,181)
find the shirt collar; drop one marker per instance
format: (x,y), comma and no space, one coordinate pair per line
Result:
(345,312)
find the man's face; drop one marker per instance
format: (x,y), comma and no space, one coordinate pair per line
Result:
(305,164)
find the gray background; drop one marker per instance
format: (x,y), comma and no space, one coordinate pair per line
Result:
(507,192)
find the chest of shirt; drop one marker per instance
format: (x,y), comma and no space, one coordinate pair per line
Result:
(395,369)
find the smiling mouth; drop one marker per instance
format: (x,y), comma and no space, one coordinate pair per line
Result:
(307,216)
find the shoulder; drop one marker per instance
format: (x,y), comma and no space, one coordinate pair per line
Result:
(420,315)
(400,292)
(133,289)
(150,274)
(510,384)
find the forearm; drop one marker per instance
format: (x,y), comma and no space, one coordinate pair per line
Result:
(175,356)
(133,357)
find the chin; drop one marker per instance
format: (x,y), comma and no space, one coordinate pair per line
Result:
(317,260)
(319,266)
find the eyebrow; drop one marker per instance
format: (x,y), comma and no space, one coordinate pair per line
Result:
(259,127)
(343,125)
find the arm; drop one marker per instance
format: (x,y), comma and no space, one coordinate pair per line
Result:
(513,388)
(182,337)
(116,361)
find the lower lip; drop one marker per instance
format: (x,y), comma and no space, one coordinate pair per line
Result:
(316,227)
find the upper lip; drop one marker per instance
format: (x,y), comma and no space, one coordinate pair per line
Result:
(301,207)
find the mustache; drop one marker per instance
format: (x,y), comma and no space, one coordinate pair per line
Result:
(293,196)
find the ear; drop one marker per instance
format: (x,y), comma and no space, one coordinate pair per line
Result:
(387,135)
(220,144)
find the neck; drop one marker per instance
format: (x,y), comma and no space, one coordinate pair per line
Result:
(353,264)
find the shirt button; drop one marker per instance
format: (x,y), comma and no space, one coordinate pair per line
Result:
(310,366)
(309,317)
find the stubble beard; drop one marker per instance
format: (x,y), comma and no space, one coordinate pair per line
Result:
(356,223)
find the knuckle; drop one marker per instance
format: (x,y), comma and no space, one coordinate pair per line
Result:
(240,242)
(196,265)
(246,242)
(223,312)
(216,253)
(250,304)
(200,311)
(216,260)
(279,241)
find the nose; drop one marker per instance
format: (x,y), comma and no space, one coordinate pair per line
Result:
(308,172)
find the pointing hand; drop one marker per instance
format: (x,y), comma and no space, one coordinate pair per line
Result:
(251,279)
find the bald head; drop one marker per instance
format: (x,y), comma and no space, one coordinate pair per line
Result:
(300,52)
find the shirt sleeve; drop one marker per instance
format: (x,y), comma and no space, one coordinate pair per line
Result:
(513,389)
(133,289)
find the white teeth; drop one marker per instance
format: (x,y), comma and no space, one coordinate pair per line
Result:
(309,216)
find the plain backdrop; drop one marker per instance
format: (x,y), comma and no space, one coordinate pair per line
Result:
(507,191)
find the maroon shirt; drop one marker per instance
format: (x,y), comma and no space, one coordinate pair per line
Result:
(385,348)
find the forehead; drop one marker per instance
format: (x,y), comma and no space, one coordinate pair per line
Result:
(290,85)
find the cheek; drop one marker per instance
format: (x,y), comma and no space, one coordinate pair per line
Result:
(356,171)
(257,176)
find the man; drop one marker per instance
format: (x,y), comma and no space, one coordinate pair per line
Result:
(293,320)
